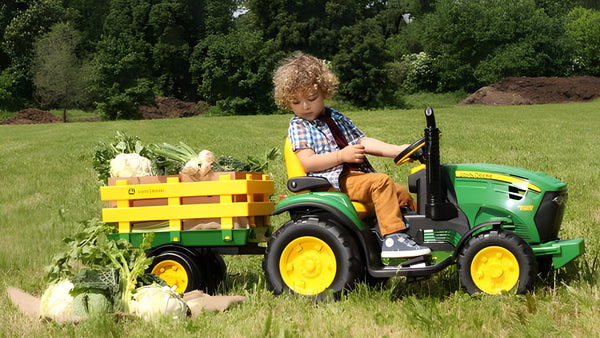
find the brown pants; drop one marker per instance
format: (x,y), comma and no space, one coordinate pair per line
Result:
(386,196)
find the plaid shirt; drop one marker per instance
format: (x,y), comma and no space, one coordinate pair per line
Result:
(317,136)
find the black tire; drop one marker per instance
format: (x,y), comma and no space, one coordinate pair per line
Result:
(496,261)
(168,264)
(312,258)
(214,272)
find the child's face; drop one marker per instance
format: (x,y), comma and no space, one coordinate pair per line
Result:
(308,104)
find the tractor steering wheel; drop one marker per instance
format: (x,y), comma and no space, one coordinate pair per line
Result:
(411,153)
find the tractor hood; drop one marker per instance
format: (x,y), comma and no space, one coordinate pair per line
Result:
(531,202)
(532,180)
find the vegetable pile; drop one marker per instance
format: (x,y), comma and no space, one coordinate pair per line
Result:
(96,275)
(122,144)
(127,156)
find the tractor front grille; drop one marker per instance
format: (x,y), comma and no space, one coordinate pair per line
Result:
(550,214)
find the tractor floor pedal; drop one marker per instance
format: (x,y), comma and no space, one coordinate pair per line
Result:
(414,262)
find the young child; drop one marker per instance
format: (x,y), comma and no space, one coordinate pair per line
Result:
(329,145)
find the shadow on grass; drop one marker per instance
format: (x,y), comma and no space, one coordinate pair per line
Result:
(439,286)
(244,274)
(583,269)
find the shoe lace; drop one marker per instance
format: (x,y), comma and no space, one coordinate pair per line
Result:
(406,240)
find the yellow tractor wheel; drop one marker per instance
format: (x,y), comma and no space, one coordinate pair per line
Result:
(307,265)
(313,258)
(496,261)
(495,269)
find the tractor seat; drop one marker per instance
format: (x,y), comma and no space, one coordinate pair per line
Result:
(298,182)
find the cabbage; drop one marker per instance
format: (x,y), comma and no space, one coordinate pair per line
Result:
(90,304)
(56,301)
(153,302)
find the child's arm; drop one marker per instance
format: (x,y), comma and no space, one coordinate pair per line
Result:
(379,148)
(312,162)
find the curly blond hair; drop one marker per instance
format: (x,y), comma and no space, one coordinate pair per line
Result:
(299,74)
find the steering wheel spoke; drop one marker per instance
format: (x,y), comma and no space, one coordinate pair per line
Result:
(413,152)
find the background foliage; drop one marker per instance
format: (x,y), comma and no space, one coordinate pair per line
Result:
(224,51)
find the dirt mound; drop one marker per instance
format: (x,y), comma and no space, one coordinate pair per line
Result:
(170,107)
(166,107)
(537,90)
(31,116)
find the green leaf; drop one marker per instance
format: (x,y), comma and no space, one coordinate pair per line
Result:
(93,252)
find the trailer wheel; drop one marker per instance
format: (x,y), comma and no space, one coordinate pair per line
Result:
(214,272)
(177,269)
(496,261)
(311,258)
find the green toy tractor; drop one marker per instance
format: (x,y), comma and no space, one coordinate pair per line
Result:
(498,224)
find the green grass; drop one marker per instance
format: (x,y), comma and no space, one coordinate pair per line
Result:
(75,115)
(48,186)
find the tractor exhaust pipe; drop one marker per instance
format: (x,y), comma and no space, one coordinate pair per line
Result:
(437,207)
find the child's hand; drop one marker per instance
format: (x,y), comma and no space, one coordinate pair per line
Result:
(352,154)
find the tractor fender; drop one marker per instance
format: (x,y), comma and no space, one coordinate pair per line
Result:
(475,230)
(336,203)
(353,225)
(312,207)
(368,245)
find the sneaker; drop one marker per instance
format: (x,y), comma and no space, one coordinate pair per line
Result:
(401,245)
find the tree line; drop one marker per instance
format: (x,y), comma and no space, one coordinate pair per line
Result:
(113,55)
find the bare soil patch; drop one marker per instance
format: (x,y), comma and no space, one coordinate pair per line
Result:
(166,107)
(537,90)
(32,116)
(170,107)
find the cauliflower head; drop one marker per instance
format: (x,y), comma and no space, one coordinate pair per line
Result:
(130,165)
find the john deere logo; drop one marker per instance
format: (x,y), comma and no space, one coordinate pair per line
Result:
(131,191)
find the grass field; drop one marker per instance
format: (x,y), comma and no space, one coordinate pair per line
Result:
(48,186)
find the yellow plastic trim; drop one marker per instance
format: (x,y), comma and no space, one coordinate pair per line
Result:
(496,177)
(307,265)
(418,168)
(174,224)
(363,210)
(226,222)
(184,189)
(124,226)
(407,158)
(187,211)
(173,273)
(495,269)
(229,191)
(292,163)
